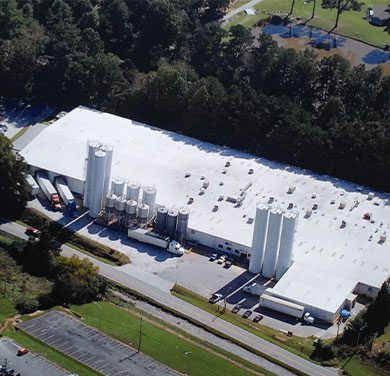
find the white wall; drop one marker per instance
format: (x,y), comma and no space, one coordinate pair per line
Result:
(216,243)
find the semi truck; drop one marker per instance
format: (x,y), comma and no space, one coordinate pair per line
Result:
(149,237)
(66,196)
(48,189)
(281,305)
(32,185)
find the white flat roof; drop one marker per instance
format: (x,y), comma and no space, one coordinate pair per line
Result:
(153,156)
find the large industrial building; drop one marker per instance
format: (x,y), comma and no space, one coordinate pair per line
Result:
(323,239)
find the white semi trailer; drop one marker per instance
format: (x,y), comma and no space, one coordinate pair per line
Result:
(280,305)
(149,237)
(48,189)
(66,195)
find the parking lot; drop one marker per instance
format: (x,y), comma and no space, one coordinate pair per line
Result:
(27,364)
(89,346)
(16,115)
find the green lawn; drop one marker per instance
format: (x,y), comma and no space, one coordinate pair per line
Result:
(163,345)
(383,342)
(351,23)
(358,368)
(7,309)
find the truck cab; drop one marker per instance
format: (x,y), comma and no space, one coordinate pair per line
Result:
(175,248)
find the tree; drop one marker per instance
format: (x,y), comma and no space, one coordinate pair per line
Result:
(13,192)
(377,315)
(37,257)
(77,281)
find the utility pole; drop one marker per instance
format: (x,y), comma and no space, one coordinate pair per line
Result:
(189,355)
(140,335)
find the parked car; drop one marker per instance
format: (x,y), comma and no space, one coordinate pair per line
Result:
(32,231)
(215,298)
(236,308)
(247,313)
(222,259)
(258,318)
(22,351)
(228,262)
(213,257)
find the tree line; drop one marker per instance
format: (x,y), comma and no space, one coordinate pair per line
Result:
(169,63)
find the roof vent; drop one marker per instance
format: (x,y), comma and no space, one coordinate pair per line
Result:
(227,164)
(342,205)
(202,177)
(205,184)
(187,175)
(291,189)
(332,202)
(224,171)
(190,201)
(221,197)
(221,183)
(215,208)
(382,239)
(201,192)
(313,195)
(370,196)
(308,213)
(250,172)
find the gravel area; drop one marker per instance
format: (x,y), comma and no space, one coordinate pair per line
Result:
(205,335)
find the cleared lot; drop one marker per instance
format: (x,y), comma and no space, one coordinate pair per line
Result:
(91,347)
(28,364)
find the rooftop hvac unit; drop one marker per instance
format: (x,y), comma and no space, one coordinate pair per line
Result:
(308,213)
(215,208)
(190,200)
(291,189)
(342,205)
(370,196)
(220,197)
(205,184)
(201,191)
(250,172)
(382,238)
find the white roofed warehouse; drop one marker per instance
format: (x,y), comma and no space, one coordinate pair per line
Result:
(334,234)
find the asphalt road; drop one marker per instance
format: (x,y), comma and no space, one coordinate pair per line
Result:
(114,273)
(240,9)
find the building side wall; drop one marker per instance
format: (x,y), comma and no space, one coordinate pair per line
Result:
(216,243)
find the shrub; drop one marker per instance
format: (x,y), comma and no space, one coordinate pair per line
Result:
(27,305)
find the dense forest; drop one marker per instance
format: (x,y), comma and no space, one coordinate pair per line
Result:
(169,63)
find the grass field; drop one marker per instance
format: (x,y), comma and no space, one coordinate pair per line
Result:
(162,343)
(351,23)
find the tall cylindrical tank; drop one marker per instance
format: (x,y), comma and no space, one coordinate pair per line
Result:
(99,170)
(120,204)
(259,238)
(272,243)
(286,243)
(161,219)
(108,150)
(170,225)
(133,191)
(142,213)
(149,198)
(182,222)
(93,147)
(117,186)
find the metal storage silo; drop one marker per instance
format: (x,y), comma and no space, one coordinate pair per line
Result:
(131,210)
(161,219)
(182,223)
(142,213)
(272,243)
(99,170)
(120,204)
(133,191)
(149,198)
(108,150)
(259,238)
(170,226)
(93,147)
(286,243)
(110,202)
(117,186)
